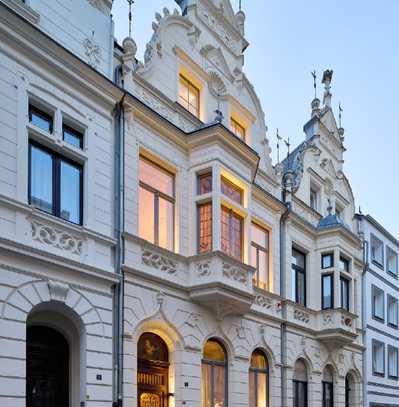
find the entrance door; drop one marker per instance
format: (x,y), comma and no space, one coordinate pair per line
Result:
(153,371)
(47,368)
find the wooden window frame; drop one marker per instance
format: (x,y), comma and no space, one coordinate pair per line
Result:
(232,213)
(190,86)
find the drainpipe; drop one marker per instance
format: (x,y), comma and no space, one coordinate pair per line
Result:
(119,120)
(283,336)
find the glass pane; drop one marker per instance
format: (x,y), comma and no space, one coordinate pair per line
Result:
(298,258)
(344,293)
(193,97)
(301,282)
(41,179)
(327,291)
(70,204)
(73,137)
(327,261)
(263,270)
(156,177)
(236,237)
(166,226)
(232,191)
(213,350)
(152,347)
(219,386)
(183,91)
(146,215)
(225,231)
(343,264)
(252,389)
(204,184)
(259,236)
(262,390)
(205,227)
(258,360)
(40,119)
(206,385)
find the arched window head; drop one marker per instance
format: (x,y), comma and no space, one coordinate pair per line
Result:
(300,384)
(258,380)
(214,351)
(214,375)
(151,347)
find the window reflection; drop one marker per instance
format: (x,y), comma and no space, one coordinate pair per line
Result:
(70,205)
(258,380)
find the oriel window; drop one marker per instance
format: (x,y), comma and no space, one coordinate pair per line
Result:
(344,293)
(55,184)
(205,227)
(189,96)
(232,231)
(156,204)
(260,255)
(232,191)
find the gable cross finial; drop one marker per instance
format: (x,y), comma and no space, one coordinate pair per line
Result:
(130,2)
(314,83)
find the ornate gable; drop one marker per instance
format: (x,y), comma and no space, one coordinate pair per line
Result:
(216,60)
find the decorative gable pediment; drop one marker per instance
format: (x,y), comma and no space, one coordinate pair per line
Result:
(329,168)
(215,60)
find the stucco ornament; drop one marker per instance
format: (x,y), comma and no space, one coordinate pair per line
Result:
(263,301)
(204,269)
(92,51)
(216,85)
(235,273)
(158,262)
(58,291)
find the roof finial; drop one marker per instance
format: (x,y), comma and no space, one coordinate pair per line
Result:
(130,2)
(288,144)
(340,114)
(279,138)
(327,78)
(239,6)
(314,83)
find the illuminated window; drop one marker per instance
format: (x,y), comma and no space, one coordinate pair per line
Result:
(237,129)
(156,204)
(204,183)
(260,255)
(258,380)
(205,227)
(189,96)
(232,191)
(231,233)
(214,375)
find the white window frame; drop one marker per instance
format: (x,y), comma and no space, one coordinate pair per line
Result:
(392,302)
(377,261)
(381,347)
(376,290)
(393,371)
(389,253)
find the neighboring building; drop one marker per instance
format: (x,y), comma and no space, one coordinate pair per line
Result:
(57,239)
(380,297)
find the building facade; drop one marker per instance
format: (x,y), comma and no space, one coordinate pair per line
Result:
(151,254)
(381,295)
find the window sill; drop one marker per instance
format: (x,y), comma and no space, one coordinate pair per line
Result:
(378,374)
(378,319)
(393,326)
(377,264)
(23,10)
(393,377)
(393,275)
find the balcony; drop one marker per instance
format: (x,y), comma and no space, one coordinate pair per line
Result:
(336,327)
(221,283)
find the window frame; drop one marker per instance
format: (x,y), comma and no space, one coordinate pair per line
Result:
(57,158)
(376,342)
(375,289)
(396,301)
(373,239)
(345,261)
(299,270)
(326,255)
(235,126)
(296,384)
(232,213)
(199,205)
(256,372)
(345,280)
(324,386)
(78,134)
(393,348)
(266,250)
(389,250)
(189,84)
(230,185)
(43,115)
(314,191)
(331,276)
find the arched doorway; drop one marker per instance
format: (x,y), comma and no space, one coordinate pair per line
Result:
(152,371)
(47,368)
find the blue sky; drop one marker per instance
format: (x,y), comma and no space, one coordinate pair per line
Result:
(358,39)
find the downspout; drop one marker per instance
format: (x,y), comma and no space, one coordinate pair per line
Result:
(119,251)
(283,280)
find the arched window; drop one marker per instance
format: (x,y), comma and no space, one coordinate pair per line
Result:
(214,375)
(258,380)
(300,384)
(152,371)
(328,387)
(350,391)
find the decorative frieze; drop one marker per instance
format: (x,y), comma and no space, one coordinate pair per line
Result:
(56,238)
(204,269)
(158,262)
(263,301)
(235,273)
(302,316)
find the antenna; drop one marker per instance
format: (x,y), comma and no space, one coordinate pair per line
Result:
(130,2)
(314,83)
(340,114)
(279,138)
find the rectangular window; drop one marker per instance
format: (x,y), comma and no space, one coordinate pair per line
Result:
(189,96)
(156,204)
(392,362)
(392,262)
(344,293)
(314,197)
(72,137)
(40,119)
(237,129)
(378,353)
(392,311)
(343,264)
(378,304)
(299,277)
(232,231)
(327,261)
(55,184)
(204,183)
(205,227)
(328,394)
(300,394)
(327,288)
(260,255)
(232,191)
(377,251)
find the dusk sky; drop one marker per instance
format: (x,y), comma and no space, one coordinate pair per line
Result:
(358,39)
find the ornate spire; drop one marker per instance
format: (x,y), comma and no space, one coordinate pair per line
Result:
(326,81)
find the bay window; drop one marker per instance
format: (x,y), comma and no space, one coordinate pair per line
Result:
(231,233)
(232,191)
(260,255)
(214,375)
(258,380)
(205,227)
(156,204)
(327,260)
(55,184)
(298,277)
